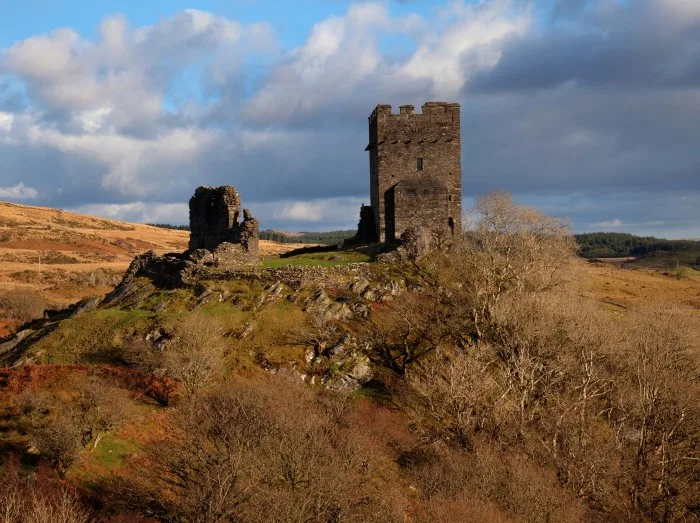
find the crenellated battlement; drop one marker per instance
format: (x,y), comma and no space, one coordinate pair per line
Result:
(428,109)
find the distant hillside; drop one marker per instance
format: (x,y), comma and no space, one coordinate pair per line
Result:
(647,249)
(62,256)
(323,238)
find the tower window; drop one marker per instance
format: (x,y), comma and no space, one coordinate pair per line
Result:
(419,164)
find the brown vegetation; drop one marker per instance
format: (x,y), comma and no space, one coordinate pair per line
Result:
(502,354)
(75,418)
(244,453)
(506,388)
(36,500)
(22,306)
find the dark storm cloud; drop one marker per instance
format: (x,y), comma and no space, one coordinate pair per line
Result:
(635,54)
(605,108)
(593,115)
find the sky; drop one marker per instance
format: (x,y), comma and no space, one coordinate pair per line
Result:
(587,109)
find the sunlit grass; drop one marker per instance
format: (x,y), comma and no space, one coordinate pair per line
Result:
(322,259)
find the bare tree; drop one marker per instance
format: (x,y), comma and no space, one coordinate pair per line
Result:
(23,500)
(405,330)
(60,440)
(512,249)
(23,305)
(244,453)
(195,355)
(92,409)
(458,393)
(98,409)
(661,412)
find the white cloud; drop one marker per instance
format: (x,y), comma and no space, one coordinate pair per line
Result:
(607,224)
(684,11)
(328,212)
(126,74)
(471,42)
(131,165)
(92,121)
(341,58)
(7,121)
(18,192)
(302,211)
(323,210)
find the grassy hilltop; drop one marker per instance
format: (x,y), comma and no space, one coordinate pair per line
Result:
(504,380)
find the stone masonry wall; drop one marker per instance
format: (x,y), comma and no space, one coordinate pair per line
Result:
(417,204)
(216,236)
(396,142)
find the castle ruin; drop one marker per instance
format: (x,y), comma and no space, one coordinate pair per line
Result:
(217,241)
(415,169)
(215,227)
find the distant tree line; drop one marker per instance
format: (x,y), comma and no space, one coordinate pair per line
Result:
(170,226)
(323,238)
(616,244)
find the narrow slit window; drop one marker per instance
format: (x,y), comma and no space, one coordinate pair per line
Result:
(419,164)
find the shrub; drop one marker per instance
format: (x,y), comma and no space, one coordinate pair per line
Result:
(23,305)
(25,501)
(63,426)
(244,452)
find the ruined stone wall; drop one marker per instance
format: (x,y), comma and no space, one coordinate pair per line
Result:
(396,142)
(214,213)
(216,236)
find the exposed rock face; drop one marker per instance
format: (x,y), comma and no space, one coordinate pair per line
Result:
(216,236)
(169,270)
(416,242)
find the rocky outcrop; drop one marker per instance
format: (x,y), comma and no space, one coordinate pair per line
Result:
(416,242)
(168,270)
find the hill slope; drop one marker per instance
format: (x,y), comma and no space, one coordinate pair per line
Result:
(67,256)
(63,256)
(648,251)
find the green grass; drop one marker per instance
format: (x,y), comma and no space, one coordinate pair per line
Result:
(322,259)
(111,451)
(123,318)
(670,260)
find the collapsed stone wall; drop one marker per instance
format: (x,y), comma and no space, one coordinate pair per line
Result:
(366,228)
(216,236)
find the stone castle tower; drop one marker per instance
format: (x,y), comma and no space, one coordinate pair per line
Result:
(415,169)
